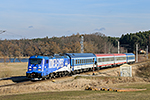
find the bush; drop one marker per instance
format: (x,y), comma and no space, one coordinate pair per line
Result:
(144,71)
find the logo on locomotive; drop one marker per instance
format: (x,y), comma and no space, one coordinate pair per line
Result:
(58,63)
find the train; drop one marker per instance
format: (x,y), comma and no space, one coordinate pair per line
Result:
(59,65)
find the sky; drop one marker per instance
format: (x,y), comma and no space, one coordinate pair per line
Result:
(28,19)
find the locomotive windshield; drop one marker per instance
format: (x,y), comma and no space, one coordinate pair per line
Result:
(35,61)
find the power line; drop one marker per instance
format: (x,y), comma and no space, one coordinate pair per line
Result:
(14,34)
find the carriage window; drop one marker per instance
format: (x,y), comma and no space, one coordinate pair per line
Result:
(110,59)
(100,60)
(82,61)
(106,59)
(78,61)
(113,59)
(121,58)
(87,60)
(103,59)
(90,60)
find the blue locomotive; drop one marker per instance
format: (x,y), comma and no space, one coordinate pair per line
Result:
(48,66)
(41,67)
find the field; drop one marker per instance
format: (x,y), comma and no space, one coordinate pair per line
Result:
(13,69)
(73,88)
(85,95)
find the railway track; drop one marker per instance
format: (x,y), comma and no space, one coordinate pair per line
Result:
(102,71)
(17,84)
(28,82)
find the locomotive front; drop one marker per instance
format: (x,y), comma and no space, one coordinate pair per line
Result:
(35,67)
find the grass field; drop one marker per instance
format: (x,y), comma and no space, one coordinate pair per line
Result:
(13,69)
(85,95)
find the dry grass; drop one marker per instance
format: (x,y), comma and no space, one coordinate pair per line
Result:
(13,69)
(144,71)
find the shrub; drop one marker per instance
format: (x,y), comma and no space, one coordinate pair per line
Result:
(144,71)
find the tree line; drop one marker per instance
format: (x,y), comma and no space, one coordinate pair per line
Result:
(129,41)
(93,43)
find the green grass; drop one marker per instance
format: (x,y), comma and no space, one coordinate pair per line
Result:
(85,95)
(80,95)
(138,86)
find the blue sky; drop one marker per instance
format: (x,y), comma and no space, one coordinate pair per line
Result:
(41,18)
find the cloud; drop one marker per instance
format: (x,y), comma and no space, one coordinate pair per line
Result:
(30,27)
(100,29)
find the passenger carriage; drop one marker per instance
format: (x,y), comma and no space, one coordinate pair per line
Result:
(82,61)
(130,57)
(105,60)
(120,59)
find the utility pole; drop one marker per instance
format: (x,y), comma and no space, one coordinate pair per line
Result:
(118,47)
(82,46)
(147,51)
(136,52)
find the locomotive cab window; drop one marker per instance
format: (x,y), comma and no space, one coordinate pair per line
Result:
(35,61)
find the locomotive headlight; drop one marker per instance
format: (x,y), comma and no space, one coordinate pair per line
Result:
(29,66)
(39,70)
(30,69)
(34,67)
(39,66)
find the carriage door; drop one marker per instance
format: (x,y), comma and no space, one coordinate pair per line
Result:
(72,65)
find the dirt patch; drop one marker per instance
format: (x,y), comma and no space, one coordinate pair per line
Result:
(74,84)
(6,82)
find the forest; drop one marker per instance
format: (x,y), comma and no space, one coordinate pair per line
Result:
(93,43)
(129,41)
